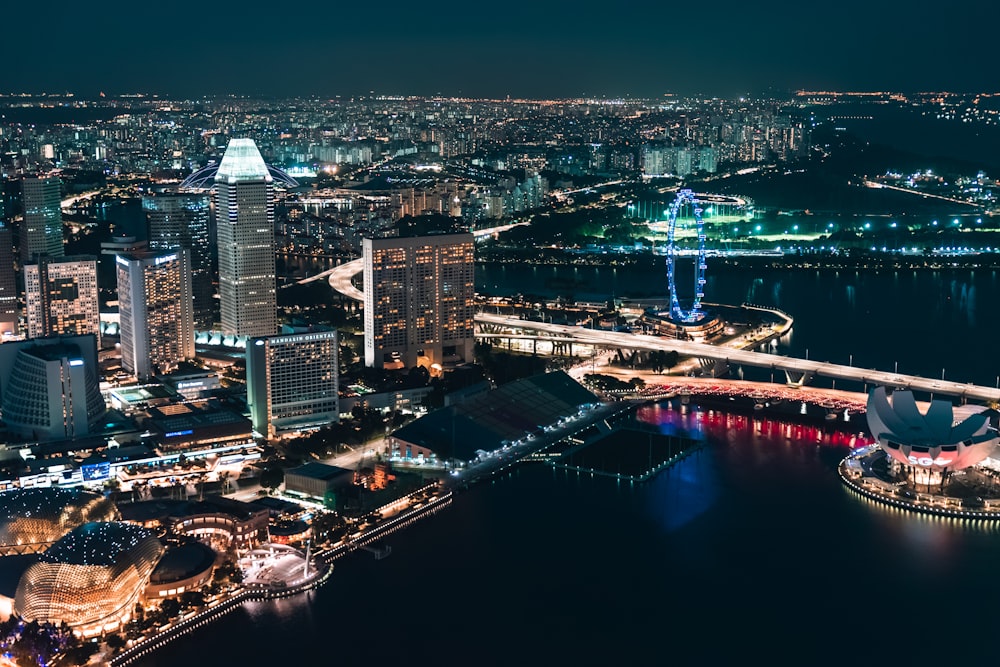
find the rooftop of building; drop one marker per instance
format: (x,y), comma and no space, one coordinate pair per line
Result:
(181,562)
(186,370)
(320,471)
(55,352)
(276,506)
(242,163)
(509,413)
(164,509)
(96,543)
(141,393)
(178,417)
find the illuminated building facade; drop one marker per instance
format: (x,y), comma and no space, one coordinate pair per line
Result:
(32,519)
(419,301)
(155,311)
(292,381)
(181,220)
(49,388)
(245,229)
(61,297)
(91,579)
(943,438)
(224,522)
(183,568)
(8,284)
(41,228)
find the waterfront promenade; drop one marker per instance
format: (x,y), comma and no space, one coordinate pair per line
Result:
(323,562)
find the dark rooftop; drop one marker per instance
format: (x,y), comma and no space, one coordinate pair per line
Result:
(181,562)
(319,471)
(509,412)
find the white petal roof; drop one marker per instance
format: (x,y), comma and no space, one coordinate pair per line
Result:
(899,419)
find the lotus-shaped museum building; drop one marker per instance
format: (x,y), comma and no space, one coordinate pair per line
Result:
(944,438)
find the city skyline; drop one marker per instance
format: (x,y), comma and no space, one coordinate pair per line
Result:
(561,50)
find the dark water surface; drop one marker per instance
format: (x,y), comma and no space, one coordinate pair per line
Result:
(749,552)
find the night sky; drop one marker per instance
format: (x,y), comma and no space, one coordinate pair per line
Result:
(535,48)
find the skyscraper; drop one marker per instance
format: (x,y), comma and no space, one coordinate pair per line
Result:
(245,214)
(8,283)
(155,311)
(418,300)
(181,220)
(49,388)
(292,381)
(41,228)
(61,296)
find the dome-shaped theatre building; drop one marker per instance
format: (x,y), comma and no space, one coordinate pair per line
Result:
(32,519)
(91,578)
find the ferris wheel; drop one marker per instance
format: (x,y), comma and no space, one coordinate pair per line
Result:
(677,313)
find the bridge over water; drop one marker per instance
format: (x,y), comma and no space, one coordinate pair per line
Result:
(802,368)
(798,370)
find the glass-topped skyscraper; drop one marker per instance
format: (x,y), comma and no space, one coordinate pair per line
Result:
(181,220)
(245,222)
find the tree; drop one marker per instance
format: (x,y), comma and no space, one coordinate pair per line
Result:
(170,608)
(272,477)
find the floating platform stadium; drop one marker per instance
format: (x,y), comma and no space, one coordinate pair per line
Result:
(634,453)
(717,211)
(935,461)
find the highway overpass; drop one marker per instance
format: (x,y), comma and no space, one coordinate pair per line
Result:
(341,280)
(735,355)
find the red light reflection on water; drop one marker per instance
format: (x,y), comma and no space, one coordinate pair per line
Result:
(717,424)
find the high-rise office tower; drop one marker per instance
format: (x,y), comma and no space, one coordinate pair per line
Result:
(61,296)
(245,215)
(41,228)
(155,311)
(292,381)
(8,283)
(49,388)
(418,300)
(181,220)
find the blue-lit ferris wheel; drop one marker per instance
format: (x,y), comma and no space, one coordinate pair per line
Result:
(677,313)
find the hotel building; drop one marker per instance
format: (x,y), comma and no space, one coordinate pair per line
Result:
(292,381)
(155,311)
(419,301)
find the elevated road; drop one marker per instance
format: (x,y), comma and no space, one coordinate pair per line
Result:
(731,355)
(341,281)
